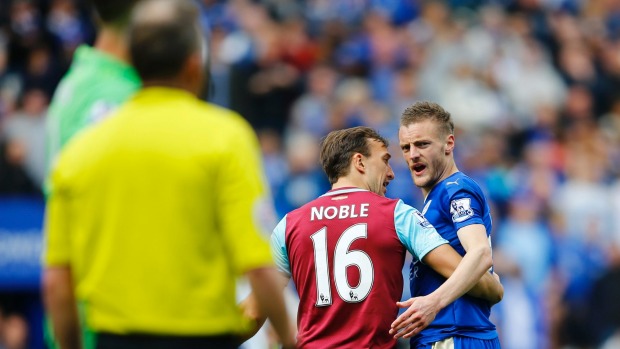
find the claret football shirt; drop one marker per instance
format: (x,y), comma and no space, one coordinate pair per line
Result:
(345,252)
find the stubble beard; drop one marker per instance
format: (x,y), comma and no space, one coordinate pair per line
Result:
(425,182)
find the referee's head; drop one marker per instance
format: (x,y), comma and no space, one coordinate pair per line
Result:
(166,44)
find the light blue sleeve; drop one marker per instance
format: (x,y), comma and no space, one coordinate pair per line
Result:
(415,232)
(278,247)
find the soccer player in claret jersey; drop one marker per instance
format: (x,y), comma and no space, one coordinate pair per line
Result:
(345,251)
(455,205)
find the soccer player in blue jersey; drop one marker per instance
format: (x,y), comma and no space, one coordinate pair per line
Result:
(455,205)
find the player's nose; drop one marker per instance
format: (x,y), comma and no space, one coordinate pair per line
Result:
(390,173)
(414,153)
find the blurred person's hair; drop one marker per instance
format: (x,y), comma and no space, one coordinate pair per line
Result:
(421,111)
(113,12)
(338,147)
(160,39)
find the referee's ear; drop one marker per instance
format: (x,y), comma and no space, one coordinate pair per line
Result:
(193,74)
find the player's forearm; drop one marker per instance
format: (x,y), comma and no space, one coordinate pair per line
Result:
(488,288)
(60,305)
(469,271)
(267,290)
(445,261)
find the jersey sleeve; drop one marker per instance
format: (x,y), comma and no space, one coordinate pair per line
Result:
(278,248)
(414,231)
(244,206)
(466,207)
(56,244)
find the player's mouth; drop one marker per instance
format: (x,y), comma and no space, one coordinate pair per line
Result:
(385,184)
(418,169)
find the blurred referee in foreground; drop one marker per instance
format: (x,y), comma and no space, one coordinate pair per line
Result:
(154,212)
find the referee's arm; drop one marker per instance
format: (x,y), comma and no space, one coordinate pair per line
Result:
(61,307)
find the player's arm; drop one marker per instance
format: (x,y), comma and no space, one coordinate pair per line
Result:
(250,305)
(444,260)
(475,241)
(422,310)
(60,305)
(422,240)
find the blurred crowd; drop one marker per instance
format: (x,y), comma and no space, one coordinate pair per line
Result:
(533,85)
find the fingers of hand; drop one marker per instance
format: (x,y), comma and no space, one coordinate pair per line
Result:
(410,319)
(409,330)
(404,316)
(406,303)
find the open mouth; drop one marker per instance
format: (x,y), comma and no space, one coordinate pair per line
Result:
(419,168)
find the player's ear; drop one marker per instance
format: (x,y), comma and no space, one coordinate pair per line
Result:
(358,162)
(449,144)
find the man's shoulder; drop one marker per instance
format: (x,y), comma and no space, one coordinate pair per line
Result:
(82,89)
(225,120)
(92,67)
(76,149)
(458,183)
(450,194)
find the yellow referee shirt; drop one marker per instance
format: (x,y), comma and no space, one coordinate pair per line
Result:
(155,209)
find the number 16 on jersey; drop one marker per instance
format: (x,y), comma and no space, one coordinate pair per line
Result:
(343,258)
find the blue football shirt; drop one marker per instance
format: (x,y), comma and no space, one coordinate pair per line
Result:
(452,204)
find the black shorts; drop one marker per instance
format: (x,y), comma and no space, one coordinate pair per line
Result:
(148,341)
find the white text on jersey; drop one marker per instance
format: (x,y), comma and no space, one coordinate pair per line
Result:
(340,212)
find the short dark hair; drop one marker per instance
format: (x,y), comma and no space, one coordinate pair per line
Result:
(421,111)
(113,12)
(159,47)
(338,147)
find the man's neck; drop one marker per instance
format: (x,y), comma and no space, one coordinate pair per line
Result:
(345,182)
(450,170)
(172,83)
(111,41)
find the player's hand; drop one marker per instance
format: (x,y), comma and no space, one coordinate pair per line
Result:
(421,312)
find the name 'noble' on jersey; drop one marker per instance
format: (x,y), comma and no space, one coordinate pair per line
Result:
(339,212)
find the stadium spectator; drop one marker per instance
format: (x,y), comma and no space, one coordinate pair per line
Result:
(13,325)
(27,127)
